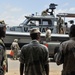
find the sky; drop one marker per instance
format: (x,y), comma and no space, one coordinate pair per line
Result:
(13,12)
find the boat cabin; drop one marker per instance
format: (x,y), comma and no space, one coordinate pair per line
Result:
(39,21)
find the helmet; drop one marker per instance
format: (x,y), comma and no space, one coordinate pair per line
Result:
(2,25)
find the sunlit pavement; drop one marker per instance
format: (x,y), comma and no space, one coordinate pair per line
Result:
(13,67)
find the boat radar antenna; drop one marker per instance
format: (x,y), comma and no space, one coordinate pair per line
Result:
(52,6)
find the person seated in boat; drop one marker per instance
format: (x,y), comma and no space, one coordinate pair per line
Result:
(31,23)
(45,12)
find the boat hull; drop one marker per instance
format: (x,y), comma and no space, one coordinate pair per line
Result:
(24,38)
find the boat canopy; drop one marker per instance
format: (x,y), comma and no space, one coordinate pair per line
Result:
(66,15)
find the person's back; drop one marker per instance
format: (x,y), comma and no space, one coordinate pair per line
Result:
(66,54)
(48,35)
(69,59)
(35,56)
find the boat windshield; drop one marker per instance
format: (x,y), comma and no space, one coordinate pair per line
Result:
(24,22)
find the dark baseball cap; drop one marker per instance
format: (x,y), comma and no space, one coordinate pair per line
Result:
(72,31)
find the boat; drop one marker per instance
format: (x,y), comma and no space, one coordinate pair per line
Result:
(21,32)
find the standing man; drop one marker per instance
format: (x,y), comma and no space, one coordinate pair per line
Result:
(60,23)
(48,35)
(3,56)
(66,54)
(65,27)
(15,47)
(34,56)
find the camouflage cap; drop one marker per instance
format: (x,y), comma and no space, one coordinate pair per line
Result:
(2,23)
(34,30)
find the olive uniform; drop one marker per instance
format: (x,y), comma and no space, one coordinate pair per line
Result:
(60,23)
(45,12)
(3,58)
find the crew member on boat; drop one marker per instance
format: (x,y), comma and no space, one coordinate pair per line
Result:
(45,12)
(60,23)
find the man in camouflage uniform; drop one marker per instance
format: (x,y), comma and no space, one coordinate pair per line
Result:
(66,54)
(60,23)
(15,48)
(45,12)
(34,56)
(3,56)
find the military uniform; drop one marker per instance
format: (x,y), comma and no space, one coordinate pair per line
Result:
(45,12)
(35,56)
(15,47)
(60,23)
(67,53)
(3,58)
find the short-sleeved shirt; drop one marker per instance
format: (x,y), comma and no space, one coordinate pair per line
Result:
(67,49)
(48,33)
(35,56)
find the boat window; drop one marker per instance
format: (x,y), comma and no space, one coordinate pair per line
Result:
(37,23)
(12,29)
(19,29)
(34,22)
(46,22)
(31,23)
(25,21)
